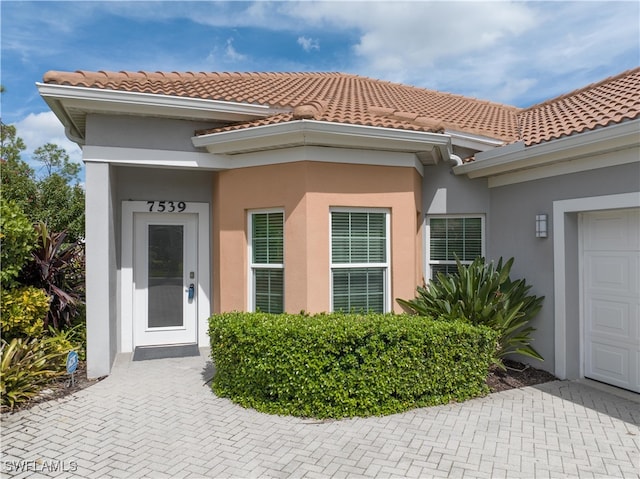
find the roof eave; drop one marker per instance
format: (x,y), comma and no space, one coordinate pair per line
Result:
(429,147)
(515,157)
(65,99)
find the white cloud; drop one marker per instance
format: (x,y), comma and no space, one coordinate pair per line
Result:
(308,44)
(495,50)
(37,129)
(232,54)
(509,51)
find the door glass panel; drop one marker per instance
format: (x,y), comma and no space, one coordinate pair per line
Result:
(165,289)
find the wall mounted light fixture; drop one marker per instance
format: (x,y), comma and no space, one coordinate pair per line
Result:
(541,225)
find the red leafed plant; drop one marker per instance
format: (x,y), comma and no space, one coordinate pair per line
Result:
(58,268)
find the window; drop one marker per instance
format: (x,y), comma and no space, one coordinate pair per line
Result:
(450,237)
(359,260)
(266,253)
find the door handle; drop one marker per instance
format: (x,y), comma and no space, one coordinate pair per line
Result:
(192,291)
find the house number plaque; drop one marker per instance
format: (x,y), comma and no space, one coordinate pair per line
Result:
(166,206)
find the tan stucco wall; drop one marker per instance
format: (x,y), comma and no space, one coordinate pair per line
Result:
(306,191)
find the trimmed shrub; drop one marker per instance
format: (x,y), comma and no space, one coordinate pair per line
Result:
(345,365)
(23,312)
(17,239)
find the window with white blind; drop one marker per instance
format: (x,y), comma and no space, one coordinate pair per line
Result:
(359,260)
(266,254)
(451,237)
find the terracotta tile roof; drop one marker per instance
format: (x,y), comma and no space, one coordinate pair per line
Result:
(334,97)
(353,99)
(609,101)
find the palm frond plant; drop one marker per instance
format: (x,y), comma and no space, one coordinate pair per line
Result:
(483,293)
(57,267)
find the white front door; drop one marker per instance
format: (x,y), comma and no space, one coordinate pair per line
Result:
(165,278)
(611,296)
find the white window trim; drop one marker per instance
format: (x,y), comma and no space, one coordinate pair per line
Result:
(386,265)
(251,303)
(561,208)
(129,208)
(427,228)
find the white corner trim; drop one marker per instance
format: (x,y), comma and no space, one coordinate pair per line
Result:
(560,209)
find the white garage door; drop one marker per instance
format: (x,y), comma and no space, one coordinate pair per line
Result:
(611,296)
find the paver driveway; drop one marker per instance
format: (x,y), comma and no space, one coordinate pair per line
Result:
(158,419)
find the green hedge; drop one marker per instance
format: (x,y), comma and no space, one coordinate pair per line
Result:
(345,365)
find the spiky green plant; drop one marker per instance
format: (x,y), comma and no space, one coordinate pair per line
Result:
(25,366)
(483,293)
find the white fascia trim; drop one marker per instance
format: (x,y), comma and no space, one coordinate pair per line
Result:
(603,160)
(560,209)
(155,158)
(143,157)
(322,133)
(327,155)
(473,142)
(580,145)
(115,101)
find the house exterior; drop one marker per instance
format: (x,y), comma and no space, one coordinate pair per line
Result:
(212,192)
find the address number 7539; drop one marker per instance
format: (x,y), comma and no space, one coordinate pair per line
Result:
(166,206)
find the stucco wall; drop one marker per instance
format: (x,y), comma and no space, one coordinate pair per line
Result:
(446,193)
(511,226)
(134,132)
(306,191)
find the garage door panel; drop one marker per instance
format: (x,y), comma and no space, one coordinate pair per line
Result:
(612,230)
(609,317)
(610,288)
(615,272)
(610,363)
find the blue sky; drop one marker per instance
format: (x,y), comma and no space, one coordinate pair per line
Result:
(518,53)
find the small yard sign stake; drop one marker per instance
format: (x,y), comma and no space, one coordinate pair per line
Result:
(72,365)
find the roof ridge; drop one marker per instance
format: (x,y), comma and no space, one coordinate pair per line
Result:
(53,74)
(583,89)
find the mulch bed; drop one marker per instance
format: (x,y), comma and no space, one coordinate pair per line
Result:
(517,375)
(59,388)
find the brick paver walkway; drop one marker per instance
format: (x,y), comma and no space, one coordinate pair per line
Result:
(158,419)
